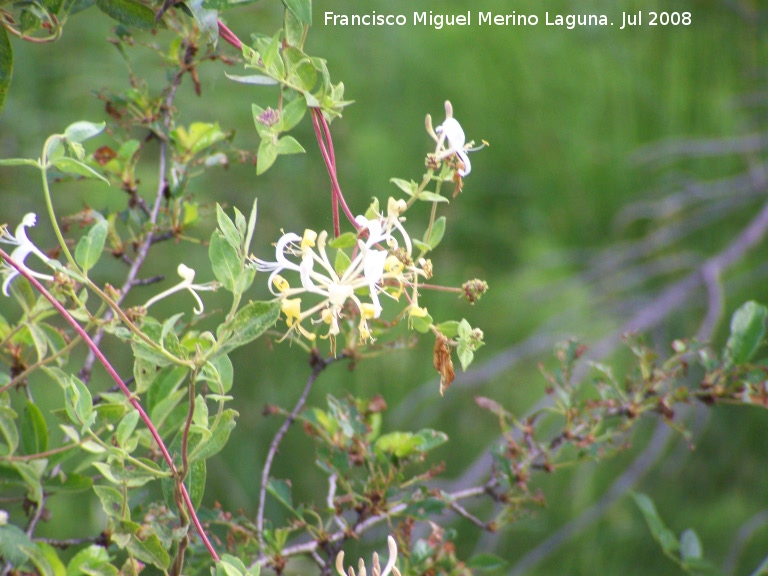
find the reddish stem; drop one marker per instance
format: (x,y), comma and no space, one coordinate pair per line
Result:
(325,142)
(228,36)
(119,381)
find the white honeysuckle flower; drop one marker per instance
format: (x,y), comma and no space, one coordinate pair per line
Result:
(376,259)
(454,133)
(187,283)
(375,566)
(24,248)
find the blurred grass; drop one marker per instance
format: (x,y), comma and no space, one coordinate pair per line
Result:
(563,111)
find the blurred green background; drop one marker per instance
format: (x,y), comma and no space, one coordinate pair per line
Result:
(567,214)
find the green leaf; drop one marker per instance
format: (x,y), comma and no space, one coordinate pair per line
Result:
(132,14)
(400,444)
(408,187)
(257,79)
(228,228)
(34,431)
(281,490)
(6,65)
(220,429)
(747,332)
(81,131)
(294,30)
(270,56)
(430,439)
(144,374)
(431,197)
(345,240)
(436,234)
(266,155)
(289,145)
(126,427)
(250,322)
(111,501)
(663,535)
(29,475)
(292,114)
(17,161)
(92,561)
(341,263)
(39,339)
(56,342)
(300,70)
(69,165)
(48,556)
(91,246)
(449,329)
(219,372)
(67,484)
(466,354)
(53,6)
(421,324)
(226,568)
(225,261)
(14,544)
(233,566)
(302,9)
(79,404)
(146,547)
(8,430)
(199,136)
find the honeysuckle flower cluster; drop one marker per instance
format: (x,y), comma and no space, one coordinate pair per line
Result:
(24,247)
(187,283)
(376,570)
(452,131)
(379,264)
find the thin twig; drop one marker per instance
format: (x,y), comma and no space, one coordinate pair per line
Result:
(367,524)
(318,365)
(639,467)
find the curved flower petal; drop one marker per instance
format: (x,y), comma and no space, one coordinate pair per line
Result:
(24,247)
(454,133)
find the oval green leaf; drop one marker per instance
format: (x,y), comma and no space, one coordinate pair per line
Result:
(81,131)
(34,431)
(91,246)
(747,332)
(130,13)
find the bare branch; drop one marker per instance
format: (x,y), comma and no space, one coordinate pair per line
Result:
(318,365)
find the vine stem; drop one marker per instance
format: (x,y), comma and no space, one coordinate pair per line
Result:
(119,381)
(370,522)
(227,35)
(318,365)
(325,142)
